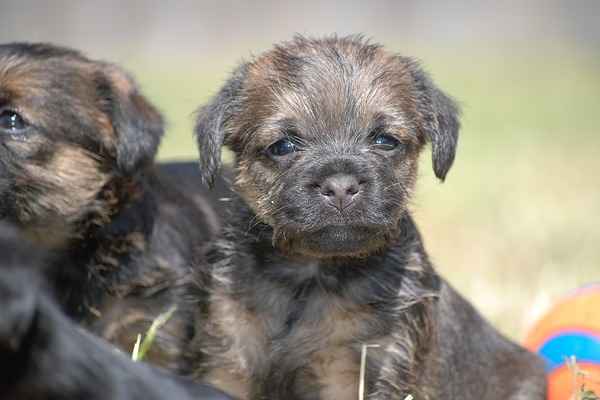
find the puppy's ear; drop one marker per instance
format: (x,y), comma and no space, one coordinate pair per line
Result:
(137,125)
(440,121)
(211,124)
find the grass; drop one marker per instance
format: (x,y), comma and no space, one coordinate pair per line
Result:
(580,377)
(142,346)
(517,222)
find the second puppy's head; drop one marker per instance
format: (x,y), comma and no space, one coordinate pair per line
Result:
(326,134)
(69,126)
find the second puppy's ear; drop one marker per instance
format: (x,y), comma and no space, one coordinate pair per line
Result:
(211,123)
(439,116)
(137,125)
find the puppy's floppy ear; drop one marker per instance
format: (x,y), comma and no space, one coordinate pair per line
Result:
(211,123)
(137,125)
(440,121)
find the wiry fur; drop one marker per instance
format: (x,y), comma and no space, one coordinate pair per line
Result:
(297,286)
(80,180)
(276,323)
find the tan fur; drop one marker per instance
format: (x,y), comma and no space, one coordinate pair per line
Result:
(248,346)
(338,372)
(69,183)
(242,346)
(232,383)
(306,285)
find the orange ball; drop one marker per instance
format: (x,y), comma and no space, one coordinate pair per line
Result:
(571,328)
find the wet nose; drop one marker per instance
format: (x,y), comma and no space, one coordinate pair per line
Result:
(339,190)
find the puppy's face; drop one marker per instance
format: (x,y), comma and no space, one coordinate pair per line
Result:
(68,125)
(327,135)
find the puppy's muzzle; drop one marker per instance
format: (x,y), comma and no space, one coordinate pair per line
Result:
(339,182)
(339,190)
(335,205)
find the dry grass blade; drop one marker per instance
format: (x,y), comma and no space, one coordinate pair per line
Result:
(363,368)
(135,354)
(579,378)
(140,349)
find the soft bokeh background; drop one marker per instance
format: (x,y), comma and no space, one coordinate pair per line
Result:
(517,223)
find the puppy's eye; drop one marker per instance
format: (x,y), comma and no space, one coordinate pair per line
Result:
(12,122)
(282,147)
(385,142)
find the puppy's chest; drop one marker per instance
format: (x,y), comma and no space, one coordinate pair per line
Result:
(127,289)
(305,348)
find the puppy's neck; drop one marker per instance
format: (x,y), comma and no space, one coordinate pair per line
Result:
(104,243)
(256,255)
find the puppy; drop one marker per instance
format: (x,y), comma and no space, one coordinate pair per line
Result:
(322,256)
(77,143)
(43,355)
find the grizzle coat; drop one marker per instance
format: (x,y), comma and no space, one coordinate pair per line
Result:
(322,255)
(77,177)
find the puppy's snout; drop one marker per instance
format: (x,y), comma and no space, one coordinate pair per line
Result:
(339,190)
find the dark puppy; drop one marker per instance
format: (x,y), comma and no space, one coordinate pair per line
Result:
(323,256)
(43,355)
(77,143)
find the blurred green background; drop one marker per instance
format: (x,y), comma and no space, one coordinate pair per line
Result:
(517,223)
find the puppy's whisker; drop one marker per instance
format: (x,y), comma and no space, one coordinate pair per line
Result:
(340,263)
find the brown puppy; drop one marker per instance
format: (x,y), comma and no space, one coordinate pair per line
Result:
(77,143)
(323,256)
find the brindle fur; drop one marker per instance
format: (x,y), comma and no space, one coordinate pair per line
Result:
(80,181)
(297,287)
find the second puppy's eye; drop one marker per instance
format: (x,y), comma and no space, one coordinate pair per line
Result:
(12,122)
(282,147)
(385,142)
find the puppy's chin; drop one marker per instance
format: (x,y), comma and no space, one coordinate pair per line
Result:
(335,241)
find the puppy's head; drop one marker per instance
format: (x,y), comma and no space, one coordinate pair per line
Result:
(68,126)
(326,135)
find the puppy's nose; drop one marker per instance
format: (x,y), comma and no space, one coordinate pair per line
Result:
(339,190)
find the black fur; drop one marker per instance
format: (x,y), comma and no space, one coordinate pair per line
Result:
(79,179)
(138,126)
(441,125)
(211,124)
(43,355)
(296,286)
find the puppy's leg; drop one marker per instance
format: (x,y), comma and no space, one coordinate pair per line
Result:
(477,361)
